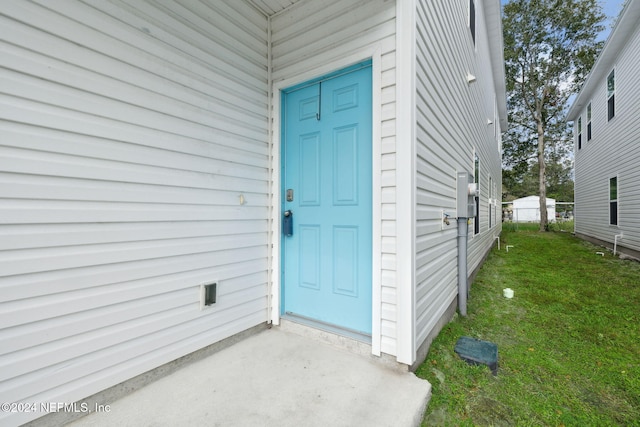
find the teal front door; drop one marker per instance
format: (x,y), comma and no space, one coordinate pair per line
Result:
(327,188)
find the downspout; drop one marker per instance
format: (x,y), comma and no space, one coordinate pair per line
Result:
(467,190)
(615,242)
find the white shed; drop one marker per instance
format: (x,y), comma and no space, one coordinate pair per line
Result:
(150,148)
(527,209)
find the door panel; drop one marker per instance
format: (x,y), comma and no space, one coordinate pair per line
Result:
(327,165)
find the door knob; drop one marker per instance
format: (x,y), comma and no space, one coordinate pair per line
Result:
(287,223)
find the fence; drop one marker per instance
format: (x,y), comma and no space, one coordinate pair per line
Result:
(563,211)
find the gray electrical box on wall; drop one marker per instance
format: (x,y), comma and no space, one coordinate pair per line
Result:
(465,195)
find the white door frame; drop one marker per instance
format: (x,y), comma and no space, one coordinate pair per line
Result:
(373,53)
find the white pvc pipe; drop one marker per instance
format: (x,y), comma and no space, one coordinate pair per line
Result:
(615,242)
(463,285)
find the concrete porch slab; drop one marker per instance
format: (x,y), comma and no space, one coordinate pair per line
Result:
(275,378)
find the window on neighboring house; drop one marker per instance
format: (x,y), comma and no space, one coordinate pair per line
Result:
(613,201)
(579,133)
(611,95)
(589,122)
(472,20)
(476,175)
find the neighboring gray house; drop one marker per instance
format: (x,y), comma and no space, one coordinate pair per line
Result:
(606,117)
(148,149)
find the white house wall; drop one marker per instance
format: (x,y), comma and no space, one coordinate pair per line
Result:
(612,151)
(128,133)
(452,124)
(312,38)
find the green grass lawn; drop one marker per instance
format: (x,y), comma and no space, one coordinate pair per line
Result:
(568,341)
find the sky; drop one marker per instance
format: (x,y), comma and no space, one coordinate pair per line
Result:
(611,8)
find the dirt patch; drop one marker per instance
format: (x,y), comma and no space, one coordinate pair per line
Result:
(488,412)
(605,401)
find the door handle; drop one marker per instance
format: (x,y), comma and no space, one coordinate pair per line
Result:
(287,223)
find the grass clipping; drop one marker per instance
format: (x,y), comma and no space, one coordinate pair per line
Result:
(569,341)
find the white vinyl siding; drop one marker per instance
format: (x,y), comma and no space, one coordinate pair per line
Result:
(129,131)
(613,151)
(310,35)
(451,121)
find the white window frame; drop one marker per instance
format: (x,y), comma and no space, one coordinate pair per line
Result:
(492,202)
(579,132)
(476,179)
(616,200)
(472,28)
(589,117)
(611,95)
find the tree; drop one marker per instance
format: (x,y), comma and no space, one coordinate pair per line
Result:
(521,173)
(550,46)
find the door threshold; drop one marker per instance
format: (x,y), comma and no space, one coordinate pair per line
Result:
(352,341)
(335,334)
